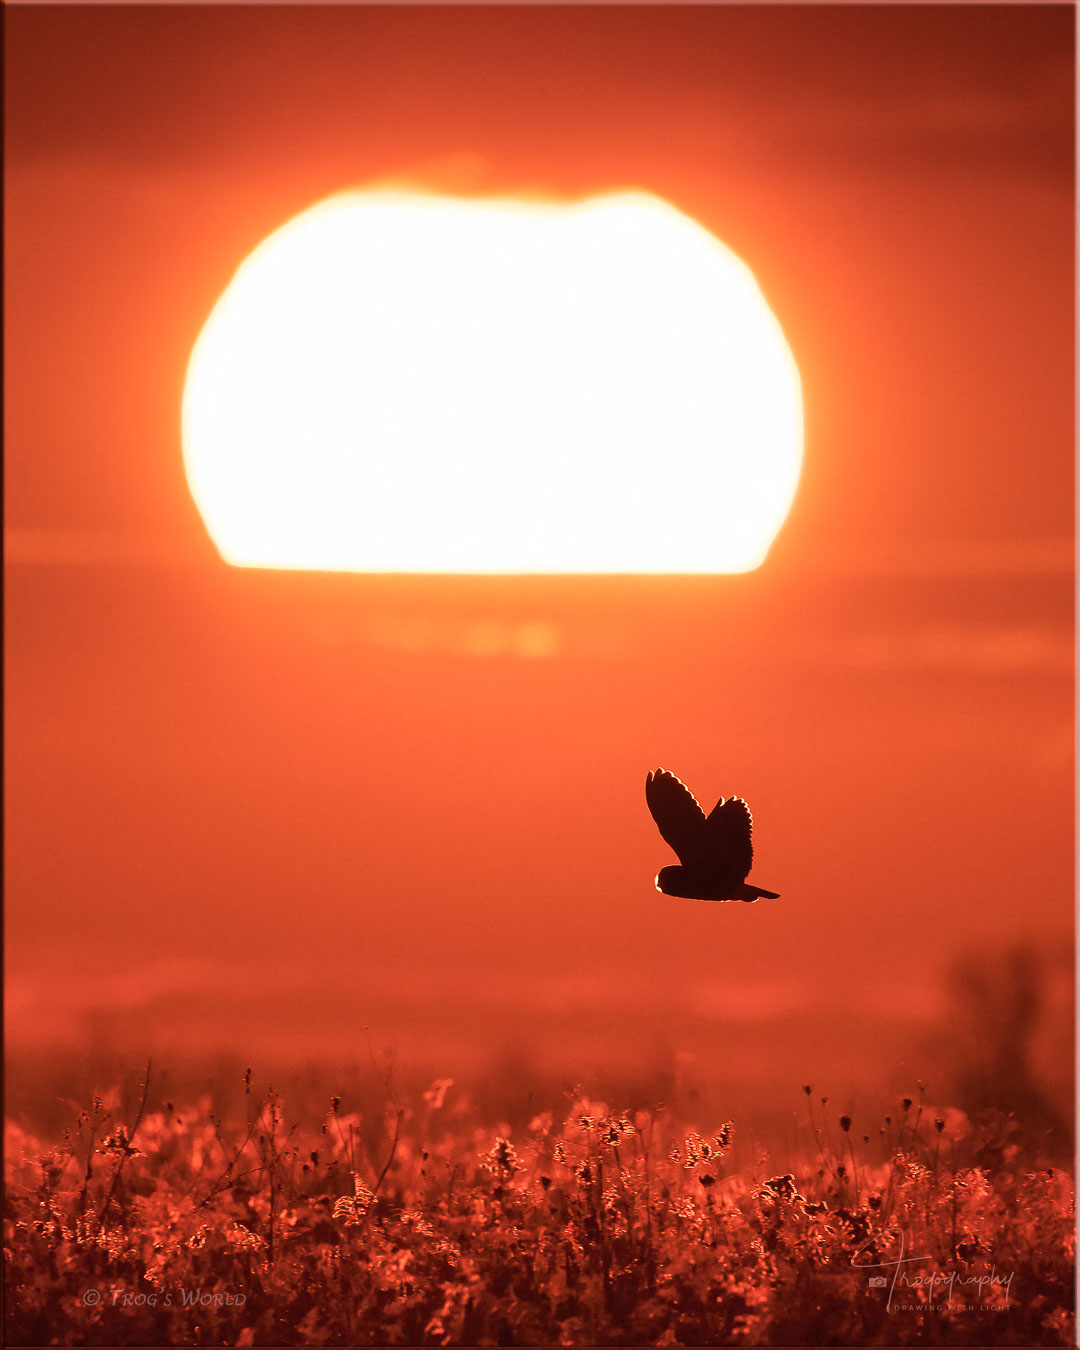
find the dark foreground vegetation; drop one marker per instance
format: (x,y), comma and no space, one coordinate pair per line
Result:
(426,1223)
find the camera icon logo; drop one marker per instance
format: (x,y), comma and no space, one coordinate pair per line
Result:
(878,1282)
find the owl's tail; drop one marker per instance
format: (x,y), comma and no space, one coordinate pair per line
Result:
(752,893)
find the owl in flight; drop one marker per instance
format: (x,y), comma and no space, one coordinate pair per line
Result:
(714,849)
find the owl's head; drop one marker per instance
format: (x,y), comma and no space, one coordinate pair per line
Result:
(667,879)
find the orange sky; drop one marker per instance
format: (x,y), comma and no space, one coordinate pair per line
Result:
(223,785)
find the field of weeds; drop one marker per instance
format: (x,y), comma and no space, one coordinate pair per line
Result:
(423,1223)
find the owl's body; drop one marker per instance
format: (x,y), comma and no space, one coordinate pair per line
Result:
(715,851)
(704,883)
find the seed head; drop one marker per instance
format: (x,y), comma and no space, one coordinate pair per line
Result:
(501,1158)
(781,1186)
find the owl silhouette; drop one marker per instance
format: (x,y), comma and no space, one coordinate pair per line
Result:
(714,850)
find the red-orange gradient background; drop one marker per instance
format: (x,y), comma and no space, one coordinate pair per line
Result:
(252,812)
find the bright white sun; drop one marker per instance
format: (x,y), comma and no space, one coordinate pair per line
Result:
(397,382)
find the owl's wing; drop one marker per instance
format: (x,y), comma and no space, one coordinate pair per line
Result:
(729,826)
(678,816)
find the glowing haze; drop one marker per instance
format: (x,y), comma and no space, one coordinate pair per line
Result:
(400,382)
